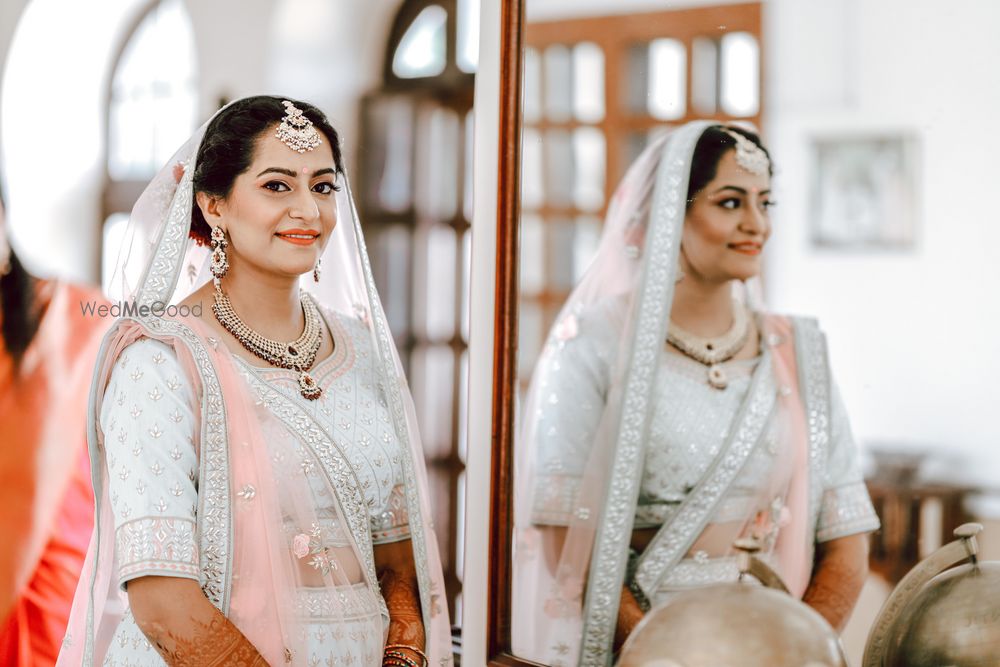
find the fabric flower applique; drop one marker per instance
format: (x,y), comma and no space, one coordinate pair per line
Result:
(311,544)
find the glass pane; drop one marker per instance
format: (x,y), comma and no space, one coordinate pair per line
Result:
(434,294)
(392,276)
(530,335)
(532,86)
(559,171)
(559,254)
(154,100)
(532,187)
(437,176)
(468,35)
(740,74)
(439,488)
(558,83)
(704,75)
(667,79)
(585,242)
(432,378)
(590,161)
(588,82)
(421,51)
(389,146)
(113,236)
(460,527)
(532,255)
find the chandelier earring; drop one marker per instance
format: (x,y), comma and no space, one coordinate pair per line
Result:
(220,263)
(317,269)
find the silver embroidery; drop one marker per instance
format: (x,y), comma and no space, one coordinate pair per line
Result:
(607,570)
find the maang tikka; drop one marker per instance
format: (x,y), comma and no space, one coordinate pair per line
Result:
(296,131)
(749,155)
(220,263)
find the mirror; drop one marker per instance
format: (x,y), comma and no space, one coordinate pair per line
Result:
(636,462)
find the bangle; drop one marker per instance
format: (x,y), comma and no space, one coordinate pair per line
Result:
(398,660)
(423,656)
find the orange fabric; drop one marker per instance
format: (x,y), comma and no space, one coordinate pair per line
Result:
(46,499)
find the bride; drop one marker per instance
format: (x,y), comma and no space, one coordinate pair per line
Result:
(670,415)
(261,496)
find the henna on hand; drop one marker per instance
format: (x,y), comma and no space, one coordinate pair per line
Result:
(217,643)
(402,598)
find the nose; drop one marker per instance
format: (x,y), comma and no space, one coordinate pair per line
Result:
(754,220)
(304,207)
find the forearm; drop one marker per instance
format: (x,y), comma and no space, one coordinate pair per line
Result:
(185,628)
(402,597)
(838,577)
(629,615)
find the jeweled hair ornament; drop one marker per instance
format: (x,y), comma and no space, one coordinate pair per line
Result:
(749,155)
(296,131)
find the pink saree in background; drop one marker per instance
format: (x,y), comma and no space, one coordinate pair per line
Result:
(46,500)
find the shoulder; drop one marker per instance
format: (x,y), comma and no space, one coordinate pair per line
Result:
(147,358)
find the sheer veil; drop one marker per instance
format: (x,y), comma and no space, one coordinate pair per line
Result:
(159,265)
(574,521)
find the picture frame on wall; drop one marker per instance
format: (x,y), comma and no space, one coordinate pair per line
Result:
(864,192)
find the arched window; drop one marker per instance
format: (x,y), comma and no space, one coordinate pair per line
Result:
(152,110)
(416,197)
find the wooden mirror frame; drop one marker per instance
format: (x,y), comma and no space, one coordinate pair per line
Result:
(498,636)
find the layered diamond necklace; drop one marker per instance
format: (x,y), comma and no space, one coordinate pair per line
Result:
(297,355)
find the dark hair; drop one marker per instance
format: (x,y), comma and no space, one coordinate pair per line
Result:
(711,146)
(19,303)
(227,148)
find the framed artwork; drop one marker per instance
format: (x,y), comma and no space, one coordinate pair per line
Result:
(864,193)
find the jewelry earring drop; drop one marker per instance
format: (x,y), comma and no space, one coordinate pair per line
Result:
(220,263)
(317,269)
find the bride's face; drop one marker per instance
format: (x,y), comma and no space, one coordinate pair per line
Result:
(282,209)
(727,225)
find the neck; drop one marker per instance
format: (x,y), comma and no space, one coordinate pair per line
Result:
(267,303)
(703,308)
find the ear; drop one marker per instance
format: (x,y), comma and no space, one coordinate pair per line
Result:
(211,207)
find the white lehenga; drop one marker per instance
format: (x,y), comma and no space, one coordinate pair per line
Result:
(153,485)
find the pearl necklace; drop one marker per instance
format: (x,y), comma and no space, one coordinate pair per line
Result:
(712,352)
(298,355)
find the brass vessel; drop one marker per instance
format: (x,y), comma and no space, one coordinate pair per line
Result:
(734,625)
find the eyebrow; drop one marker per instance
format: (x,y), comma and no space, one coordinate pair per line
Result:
(742,191)
(294,174)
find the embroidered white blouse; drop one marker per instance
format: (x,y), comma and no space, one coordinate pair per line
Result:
(151,433)
(690,424)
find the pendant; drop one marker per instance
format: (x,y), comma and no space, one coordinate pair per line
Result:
(308,386)
(717,377)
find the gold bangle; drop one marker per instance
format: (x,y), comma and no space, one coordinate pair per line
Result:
(423,656)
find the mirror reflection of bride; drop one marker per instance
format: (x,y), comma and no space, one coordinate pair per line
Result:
(671,414)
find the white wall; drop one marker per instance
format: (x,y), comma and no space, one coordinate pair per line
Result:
(912,334)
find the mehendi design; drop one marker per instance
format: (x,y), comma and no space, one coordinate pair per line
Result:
(402,597)
(213,644)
